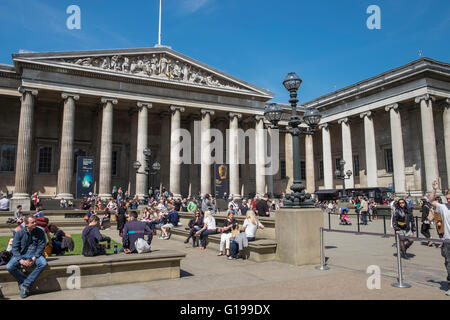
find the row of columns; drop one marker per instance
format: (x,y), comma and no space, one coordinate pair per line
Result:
(65,174)
(399,179)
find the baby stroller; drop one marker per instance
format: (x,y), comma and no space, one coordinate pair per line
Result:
(345,220)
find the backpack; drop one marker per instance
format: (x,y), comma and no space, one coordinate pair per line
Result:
(5,256)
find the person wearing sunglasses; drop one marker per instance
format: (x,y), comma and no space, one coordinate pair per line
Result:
(403,224)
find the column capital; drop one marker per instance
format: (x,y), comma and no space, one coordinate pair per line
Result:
(393,106)
(207,111)
(368,114)
(345,120)
(233,115)
(67,95)
(325,126)
(259,118)
(33,91)
(425,97)
(174,108)
(447,101)
(140,105)
(111,100)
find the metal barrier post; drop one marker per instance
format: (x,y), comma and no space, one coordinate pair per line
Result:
(400,283)
(417,227)
(329,220)
(357,218)
(384,226)
(322,266)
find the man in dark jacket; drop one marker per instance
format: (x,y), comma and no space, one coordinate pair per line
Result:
(262,208)
(91,237)
(133,230)
(28,249)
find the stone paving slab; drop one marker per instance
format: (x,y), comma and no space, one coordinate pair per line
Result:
(204,275)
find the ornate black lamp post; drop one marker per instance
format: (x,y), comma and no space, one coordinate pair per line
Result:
(311,117)
(148,169)
(340,174)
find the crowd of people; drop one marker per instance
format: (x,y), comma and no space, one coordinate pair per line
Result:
(35,238)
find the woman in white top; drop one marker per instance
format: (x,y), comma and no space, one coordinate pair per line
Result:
(250,226)
(209,227)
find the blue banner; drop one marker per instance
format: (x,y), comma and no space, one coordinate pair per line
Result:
(85,176)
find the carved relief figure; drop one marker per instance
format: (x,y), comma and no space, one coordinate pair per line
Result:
(156,65)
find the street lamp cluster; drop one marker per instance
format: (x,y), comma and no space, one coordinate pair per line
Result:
(340,174)
(311,118)
(148,169)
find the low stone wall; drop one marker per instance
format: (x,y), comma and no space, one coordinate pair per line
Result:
(100,271)
(267,233)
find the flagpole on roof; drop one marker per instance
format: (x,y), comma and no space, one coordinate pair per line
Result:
(159,34)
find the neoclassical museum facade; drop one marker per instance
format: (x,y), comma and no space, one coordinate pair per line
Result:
(393,130)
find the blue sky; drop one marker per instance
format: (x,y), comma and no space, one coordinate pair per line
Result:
(326,42)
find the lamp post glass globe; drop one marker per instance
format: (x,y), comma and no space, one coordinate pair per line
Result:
(342,162)
(349,173)
(147,152)
(272,113)
(292,82)
(337,173)
(136,165)
(156,166)
(312,117)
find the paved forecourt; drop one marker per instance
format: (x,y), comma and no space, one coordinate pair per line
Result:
(204,275)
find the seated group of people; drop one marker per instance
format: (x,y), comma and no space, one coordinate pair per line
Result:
(233,238)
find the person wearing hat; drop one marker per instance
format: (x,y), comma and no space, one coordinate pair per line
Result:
(172,218)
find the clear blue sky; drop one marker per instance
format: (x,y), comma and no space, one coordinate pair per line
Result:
(326,42)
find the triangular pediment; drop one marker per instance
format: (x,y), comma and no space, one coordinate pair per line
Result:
(158,64)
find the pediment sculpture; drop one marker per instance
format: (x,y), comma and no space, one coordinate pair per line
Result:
(157,65)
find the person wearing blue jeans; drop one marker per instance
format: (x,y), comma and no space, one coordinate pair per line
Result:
(203,236)
(27,248)
(235,247)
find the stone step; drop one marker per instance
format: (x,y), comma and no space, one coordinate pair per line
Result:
(100,271)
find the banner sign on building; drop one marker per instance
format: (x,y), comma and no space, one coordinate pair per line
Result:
(221,178)
(85,176)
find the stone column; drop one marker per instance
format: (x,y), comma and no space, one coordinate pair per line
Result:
(347,153)
(194,172)
(446,119)
(371,152)
(288,156)
(66,162)
(165,150)
(206,161)
(309,164)
(24,149)
(428,140)
(106,148)
(398,154)
(260,151)
(327,160)
(142,143)
(175,163)
(233,145)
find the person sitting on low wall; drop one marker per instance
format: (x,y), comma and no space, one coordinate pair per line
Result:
(250,226)
(91,238)
(134,230)
(28,249)
(209,227)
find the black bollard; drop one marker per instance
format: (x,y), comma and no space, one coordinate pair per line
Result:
(384,226)
(329,220)
(357,218)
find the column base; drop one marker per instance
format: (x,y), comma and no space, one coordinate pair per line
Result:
(22,199)
(66,196)
(104,196)
(177,196)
